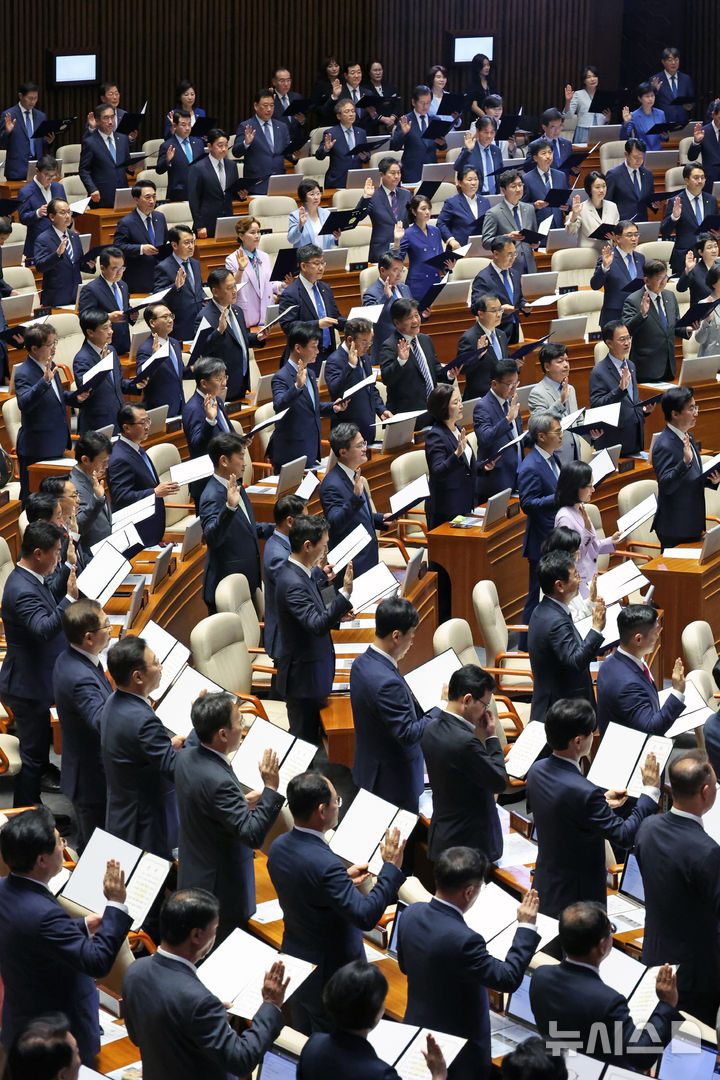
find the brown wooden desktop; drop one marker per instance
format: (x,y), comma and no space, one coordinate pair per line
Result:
(686,591)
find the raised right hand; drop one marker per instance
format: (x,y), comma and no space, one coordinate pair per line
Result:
(404,125)
(210,406)
(698,133)
(273,987)
(598,615)
(249,134)
(328,141)
(528,910)
(392,848)
(302,217)
(269,767)
(114,882)
(645,303)
(678,676)
(301,377)
(625,378)
(170,153)
(513,409)
(666,985)
(233,491)
(687,450)
(369,188)
(72,589)
(434,1059)
(9,123)
(98,489)
(607,256)
(650,771)
(404,349)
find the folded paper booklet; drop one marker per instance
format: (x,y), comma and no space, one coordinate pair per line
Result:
(639,514)
(494,913)
(359,835)
(101,577)
(175,708)
(426,681)
(622,580)
(402,1046)
(620,756)
(694,715)
(186,472)
(135,512)
(293,754)
(370,380)
(525,750)
(610,633)
(171,653)
(372,586)
(344,552)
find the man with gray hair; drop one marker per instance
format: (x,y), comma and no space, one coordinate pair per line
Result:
(537,480)
(204,414)
(346,367)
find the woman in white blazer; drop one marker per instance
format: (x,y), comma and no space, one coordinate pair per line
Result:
(252,269)
(585,217)
(580,103)
(305,223)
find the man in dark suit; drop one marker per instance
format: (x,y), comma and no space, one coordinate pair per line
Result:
(485,331)
(33,199)
(306,658)
(17,129)
(5,290)
(387,207)
(263,144)
(180,1027)
(680,516)
(323,911)
(671,83)
(275,554)
(388,722)
(109,95)
(177,154)
(226,337)
(536,481)
(46,1046)
(482,154)
(218,829)
(181,274)
(680,867)
(80,689)
(228,522)
(705,146)
(94,517)
(140,235)
(311,301)
(344,496)
(551,122)
(346,367)
(559,658)
(349,87)
(685,214)
(104,158)
(131,475)
(408,136)
(502,279)
(461,215)
(204,414)
(409,366)
(109,292)
(626,690)
(344,143)
(58,253)
(100,409)
(508,218)
(448,967)
(497,420)
(650,315)
(571,996)
(294,387)
(542,179)
(630,185)
(44,431)
(385,290)
(212,184)
(284,97)
(617,267)
(466,767)
(614,379)
(49,961)
(32,627)
(574,818)
(163,378)
(138,753)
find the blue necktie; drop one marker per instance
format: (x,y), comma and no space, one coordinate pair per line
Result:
(29,125)
(630,266)
(189,272)
(111,148)
(496,347)
(149,465)
(68,249)
(269,137)
(423,124)
(177,362)
(517,218)
(118,297)
(698,210)
(237,334)
(321,315)
(673,84)
(150,230)
(349,135)
(636,181)
(221,421)
(661,311)
(508,285)
(489,178)
(188,150)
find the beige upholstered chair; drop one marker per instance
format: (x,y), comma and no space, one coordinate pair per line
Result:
(74,187)
(511,669)
(596,521)
(611,154)
(674,178)
(18,232)
(643,542)
(21,279)
(377,157)
(273,211)
(70,338)
(683,147)
(310,166)
(699,646)
(468,269)
(262,413)
(233,594)
(176,213)
(574,266)
(179,509)
(70,157)
(7,564)
(657,249)
(12,419)
(403,470)
(160,180)
(151,149)
(587,302)
(346,198)
(357,241)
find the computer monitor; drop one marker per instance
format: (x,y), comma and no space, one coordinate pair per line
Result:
(631,882)
(278,1064)
(465,46)
(392,945)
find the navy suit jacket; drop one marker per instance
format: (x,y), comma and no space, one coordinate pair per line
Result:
(341,158)
(388,727)
(259,160)
(61,274)
(452,478)
(686,228)
(199,432)
(363,407)
(97,169)
(417,151)
(298,432)
(139,765)
(296,295)
(207,200)
(324,913)
(182,1029)
(218,832)
(475,159)
(626,696)
(33,630)
(49,962)
(493,431)
(711,732)
(129,480)
(81,689)
(709,153)
(458,221)
(681,491)
(621,191)
(306,661)
(605,390)
(130,235)
(166,383)
(178,168)
(98,294)
(477,371)
(45,432)
(464,776)
(653,346)
(448,969)
(560,659)
(342,1053)
(106,396)
(535,191)
(696,281)
(536,487)
(275,554)
(185,303)
(344,511)
(19,148)
(612,281)
(664,96)
(572,821)
(94,517)
(382,220)
(231,538)
(30,199)
(384,326)
(571,998)
(487,283)
(227,348)
(405,384)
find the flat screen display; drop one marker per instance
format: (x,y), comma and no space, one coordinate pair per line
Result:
(467,47)
(76,68)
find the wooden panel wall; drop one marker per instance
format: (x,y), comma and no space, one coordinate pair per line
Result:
(148,45)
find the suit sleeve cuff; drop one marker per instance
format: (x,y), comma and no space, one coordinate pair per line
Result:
(676,693)
(117,904)
(652,792)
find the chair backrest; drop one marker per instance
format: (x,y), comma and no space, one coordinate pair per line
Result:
(70,155)
(163,456)
(656,249)
(600,351)
(160,180)
(575,266)
(233,595)
(176,213)
(272,211)
(377,157)
(454,153)
(445,191)
(408,467)
(468,269)
(262,414)
(70,338)
(357,241)
(699,646)
(582,303)
(596,521)
(151,148)
(273,242)
(455,634)
(20,278)
(490,619)
(310,166)
(316,137)
(219,652)
(346,198)
(629,497)
(74,187)
(611,154)
(674,179)
(7,563)
(12,419)
(18,232)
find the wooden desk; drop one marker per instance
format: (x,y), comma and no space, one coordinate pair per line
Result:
(9,514)
(685,591)
(100,224)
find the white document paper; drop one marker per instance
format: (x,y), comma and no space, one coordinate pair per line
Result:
(620,755)
(610,634)
(274,419)
(80,206)
(682,553)
(135,512)
(517,850)
(622,580)
(513,442)
(408,496)
(572,418)
(370,380)
(493,911)
(122,540)
(85,886)
(202,328)
(159,354)
(174,710)
(101,577)
(145,883)
(359,834)
(609,415)
(293,754)
(694,715)
(601,465)
(546,926)
(371,312)
(661,747)
(268,912)
(374,585)
(153,298)
(525,750)
(192,469)
(397,418)
(644,1000)
(307,485)
(104,364)
(171,653)
(711,465)
(544,301)
(426,682)
(277,317)
(236,969)
(644,510)
(402,1045)
(347,549)
(621,972)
